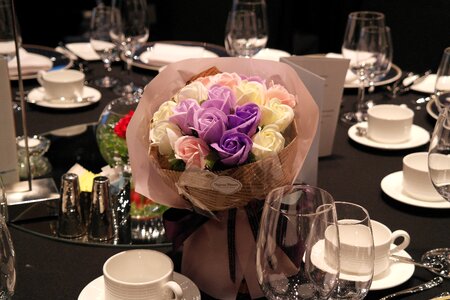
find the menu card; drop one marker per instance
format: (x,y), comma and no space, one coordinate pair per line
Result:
(8,158)
(333,71)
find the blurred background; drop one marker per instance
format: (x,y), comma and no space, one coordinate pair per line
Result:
(420,28)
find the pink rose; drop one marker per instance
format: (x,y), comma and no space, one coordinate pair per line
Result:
(230,80)
(279,92)
(192,151)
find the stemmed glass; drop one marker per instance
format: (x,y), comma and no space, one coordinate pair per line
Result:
(357,253)
(384,37)
(439,154)
(101,42)
(7,254)
(367,51)
(290,245)
(247,29)
(7,43)
(130,31)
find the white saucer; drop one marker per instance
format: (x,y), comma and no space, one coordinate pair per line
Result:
(394,74)
(95,289)
(271,54)
(426,86)
(37,96)
(419,137)
(397,273)
(392,185)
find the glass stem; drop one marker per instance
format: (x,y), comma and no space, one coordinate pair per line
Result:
(361,90)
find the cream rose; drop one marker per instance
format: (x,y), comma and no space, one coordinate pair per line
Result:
(164,111)
(195,90)
(250,91)
(267,142)
(274,112)
(192,151)
(164,134)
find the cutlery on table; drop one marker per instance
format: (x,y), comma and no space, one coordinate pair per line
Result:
(419,288)
(437,268)
(65,100)
(405,83)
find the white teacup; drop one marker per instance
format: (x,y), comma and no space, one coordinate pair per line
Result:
(416,179)
(385,245)
(140,274)
(62,83)
(390,124)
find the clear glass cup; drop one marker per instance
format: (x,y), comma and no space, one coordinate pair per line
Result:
(384,37)
(290,244)
(442,86)
(247,29)
(357,251)
(365,55)
(130,32)
(101,42)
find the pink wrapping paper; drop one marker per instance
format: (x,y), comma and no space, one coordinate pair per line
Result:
(205,258)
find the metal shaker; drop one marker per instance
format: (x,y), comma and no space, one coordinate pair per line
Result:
(70,220)
(101,224)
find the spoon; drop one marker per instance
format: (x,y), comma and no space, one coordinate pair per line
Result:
(436,267)
(419,288)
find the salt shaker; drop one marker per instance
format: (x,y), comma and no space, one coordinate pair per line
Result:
(101,225)
(70,220)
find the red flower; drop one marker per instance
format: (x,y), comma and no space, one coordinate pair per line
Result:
(121,127)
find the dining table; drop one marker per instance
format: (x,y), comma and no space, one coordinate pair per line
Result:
(48,267)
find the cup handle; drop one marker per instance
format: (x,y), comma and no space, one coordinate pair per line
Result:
(175,288)
(405,243)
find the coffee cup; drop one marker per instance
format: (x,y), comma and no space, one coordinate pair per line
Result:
(416,179)
(62,83)
(389,123)
(385,245)
(140,274)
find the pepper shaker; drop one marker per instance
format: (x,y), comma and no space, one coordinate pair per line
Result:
(101,225)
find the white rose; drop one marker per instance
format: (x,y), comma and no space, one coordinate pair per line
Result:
(274,112)
(250,91)
(267,142)
(195,90)
(164,111)
(164,134)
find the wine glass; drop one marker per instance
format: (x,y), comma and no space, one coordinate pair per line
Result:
(247,29)
(383,36)
(442,86)
(365,52)
(357,253)
(7,254)
(130,31)
(290,245)
(101,42)
(7,43)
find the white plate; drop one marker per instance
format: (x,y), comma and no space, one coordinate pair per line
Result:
(393,74)
(397,273)
(38,95)
(392,185)
(432,109)
(426,86)
(95,289)
(419,137)
(83,50)
(271,54)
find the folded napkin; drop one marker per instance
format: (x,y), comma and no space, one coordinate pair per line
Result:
(83,50)
(30,62)
(350,77)
(164,54)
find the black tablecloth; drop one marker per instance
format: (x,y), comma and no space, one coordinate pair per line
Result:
(51,269)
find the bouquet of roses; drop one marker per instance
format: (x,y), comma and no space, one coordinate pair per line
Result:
(218,142)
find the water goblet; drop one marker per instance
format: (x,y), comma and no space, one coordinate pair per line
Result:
(247,29)
(356,251)
(365,55)
(290,245)
(100,40)
(130,31)
(442,86)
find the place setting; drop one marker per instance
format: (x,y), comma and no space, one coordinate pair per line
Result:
(63,89)
(389,127)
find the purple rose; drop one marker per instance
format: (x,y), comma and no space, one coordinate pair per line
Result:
(220,97)
(233,148)
(183,114)
(210,124)
(246,119)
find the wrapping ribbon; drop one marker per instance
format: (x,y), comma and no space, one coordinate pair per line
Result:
(181,223)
